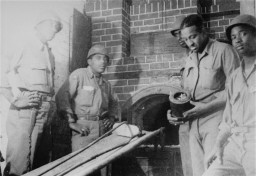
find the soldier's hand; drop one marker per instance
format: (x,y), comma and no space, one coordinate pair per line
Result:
(27,100)
(198,110)
(108,123)
(173,120)
(78,128)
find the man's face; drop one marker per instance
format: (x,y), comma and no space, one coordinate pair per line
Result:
(98,63)
(49,28)
(243,40)
(193,39)
(177,35)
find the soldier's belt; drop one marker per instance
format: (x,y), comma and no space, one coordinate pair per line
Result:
(88,117)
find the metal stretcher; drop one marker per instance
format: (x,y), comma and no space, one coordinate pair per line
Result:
(94,156)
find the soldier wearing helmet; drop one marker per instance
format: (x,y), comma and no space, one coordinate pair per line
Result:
(238,156)
(85,98)
(29,87)
(184,127)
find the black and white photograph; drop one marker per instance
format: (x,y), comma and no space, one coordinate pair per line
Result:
(128,87)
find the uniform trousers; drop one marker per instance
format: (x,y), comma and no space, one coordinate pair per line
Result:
(185,149)
(24,136)
(202,137)
(238,159)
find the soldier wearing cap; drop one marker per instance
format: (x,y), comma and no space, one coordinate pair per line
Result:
(207,70)
(234,151)
(85,98)
(29,88)
(184,127)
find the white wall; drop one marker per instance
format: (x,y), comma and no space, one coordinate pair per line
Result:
(17,21)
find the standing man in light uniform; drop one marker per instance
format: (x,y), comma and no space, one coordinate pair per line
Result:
(29,88)
(207,68)
(184,127)
(85,97)
(235,149)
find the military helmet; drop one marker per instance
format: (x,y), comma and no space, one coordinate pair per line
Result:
(98,49)
(48,15)
(245,19)
(177,24)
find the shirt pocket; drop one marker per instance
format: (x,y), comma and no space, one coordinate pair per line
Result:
(39,74)
(188,78)
(209,78)
(86,96)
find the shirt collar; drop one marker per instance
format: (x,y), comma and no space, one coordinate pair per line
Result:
(91,74)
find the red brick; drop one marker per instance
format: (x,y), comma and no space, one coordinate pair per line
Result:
(135,30)
(136,10)
(116,24)
(116,37)
(214,8)
(149,22)
(230,16)
(155,6)
(167,5)
(114,4)
(114,18)
(180,4)
(150,59)
(170,19)
(148,16)
(117,11)
(159,65)
(120,82)
(89,7)
(159,58)
(96,26)
(174,4)
(106,25)
(116,49)
(213,23)
(134,17)
(217,29)
(180,56)
(95,39)
(138,23)
(128,60)
(138,81)
(138,67)
(148,7)
(114,31)
(104,5)
(177,64)
(106,12)
(97,5)
(167,57)
(187,3)
(94,14)
(189,10)
(140,59)
(223,22)
(117,61)
(131,9)
(172,13)
(150,28)
(98,32)
(128,89)
(98,20)
(140,87)
(123,96)
(120,68)
(118,89)
(142,8)
(158,21)
(105,38)
(194,2)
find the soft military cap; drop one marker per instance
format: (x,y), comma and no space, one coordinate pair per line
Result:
(248,20)
(177,24)
(98,49)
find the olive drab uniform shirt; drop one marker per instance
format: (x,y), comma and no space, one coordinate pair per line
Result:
(205,75)
(32,68)
(240,107)
(85,94)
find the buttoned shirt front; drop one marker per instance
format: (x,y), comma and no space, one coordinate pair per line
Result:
(85,94)
(205,75)
(240,107)
(32,67)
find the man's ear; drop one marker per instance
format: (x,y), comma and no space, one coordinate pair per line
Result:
(89,60)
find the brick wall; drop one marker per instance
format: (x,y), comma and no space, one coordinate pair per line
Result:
(115,21)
